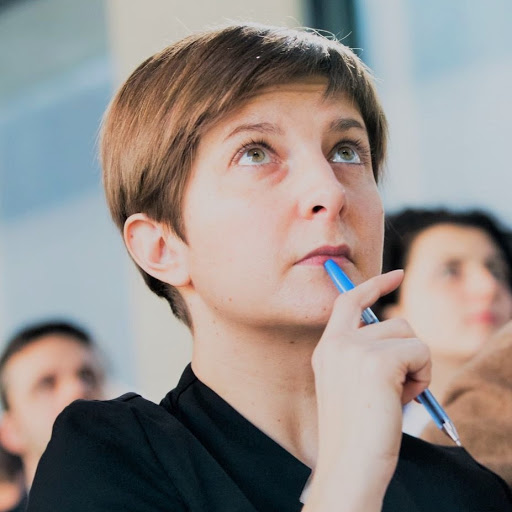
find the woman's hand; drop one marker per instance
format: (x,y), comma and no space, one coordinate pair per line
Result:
(363,376)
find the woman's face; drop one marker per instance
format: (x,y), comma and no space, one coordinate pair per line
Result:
(455,292)
(278,187)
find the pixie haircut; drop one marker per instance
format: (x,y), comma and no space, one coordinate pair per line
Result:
(33,333)
(403,227)
(153,126)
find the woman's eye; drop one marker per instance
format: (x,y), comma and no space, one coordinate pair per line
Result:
(46,383)
(254,156)
(345,155)
(499,270)
(450,270)
(88,376)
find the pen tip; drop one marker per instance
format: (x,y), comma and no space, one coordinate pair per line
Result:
(451,431)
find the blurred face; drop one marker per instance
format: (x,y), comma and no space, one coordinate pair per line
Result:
(278,187)
(42,379)
(455,292)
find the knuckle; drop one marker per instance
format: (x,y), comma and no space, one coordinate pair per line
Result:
(421,345)
(402,327)
(425,348)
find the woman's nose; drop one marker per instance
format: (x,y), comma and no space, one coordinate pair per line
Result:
(322,193)
(483,282)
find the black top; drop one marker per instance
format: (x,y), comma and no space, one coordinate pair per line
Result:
(21,506)
(194,452)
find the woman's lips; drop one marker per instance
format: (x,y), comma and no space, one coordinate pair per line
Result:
(322,258)
(483,317)
(340,254)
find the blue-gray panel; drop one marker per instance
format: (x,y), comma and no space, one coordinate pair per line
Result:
(449,35)
(48,154)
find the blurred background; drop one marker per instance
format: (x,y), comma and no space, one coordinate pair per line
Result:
(444,74)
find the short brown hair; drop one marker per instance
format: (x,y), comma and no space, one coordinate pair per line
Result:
(153,126)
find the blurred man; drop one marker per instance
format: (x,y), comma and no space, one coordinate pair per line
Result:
(44,368)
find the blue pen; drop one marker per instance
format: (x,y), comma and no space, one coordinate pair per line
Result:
(441,419)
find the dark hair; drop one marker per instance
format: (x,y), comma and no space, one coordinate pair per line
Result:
(31,334)
(403,227)
(154,124)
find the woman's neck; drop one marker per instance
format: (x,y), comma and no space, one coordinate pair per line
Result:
(266,377)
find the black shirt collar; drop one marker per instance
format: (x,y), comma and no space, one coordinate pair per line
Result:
(264,471)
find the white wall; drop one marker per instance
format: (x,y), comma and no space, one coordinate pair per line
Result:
(445,77)
(139,28)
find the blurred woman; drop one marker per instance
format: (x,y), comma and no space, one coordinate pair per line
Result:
(457,289)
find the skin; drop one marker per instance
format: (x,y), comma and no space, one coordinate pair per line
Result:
(458,276)
(40,381)
(10,494)
(272,228)
(274,192)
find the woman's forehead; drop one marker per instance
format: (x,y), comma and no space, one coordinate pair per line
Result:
(454,240)
(266,108)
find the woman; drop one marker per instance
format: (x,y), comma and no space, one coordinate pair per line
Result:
(237,162)
(457,289)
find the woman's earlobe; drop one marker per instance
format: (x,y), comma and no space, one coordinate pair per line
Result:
(158,251)
(9,435)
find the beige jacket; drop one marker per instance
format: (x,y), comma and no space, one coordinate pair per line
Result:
(479,401)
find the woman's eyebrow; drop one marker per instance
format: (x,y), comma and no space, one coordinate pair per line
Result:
(339,125)
(343,124)
(256,127)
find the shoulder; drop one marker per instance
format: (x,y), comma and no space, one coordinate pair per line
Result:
(451,475)
(124,413)
(114,424)
(100,454)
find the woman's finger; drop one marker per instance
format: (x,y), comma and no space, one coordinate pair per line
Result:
(346,314)
(392,328)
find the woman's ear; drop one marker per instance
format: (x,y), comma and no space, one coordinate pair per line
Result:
(10,437)
(157,250)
